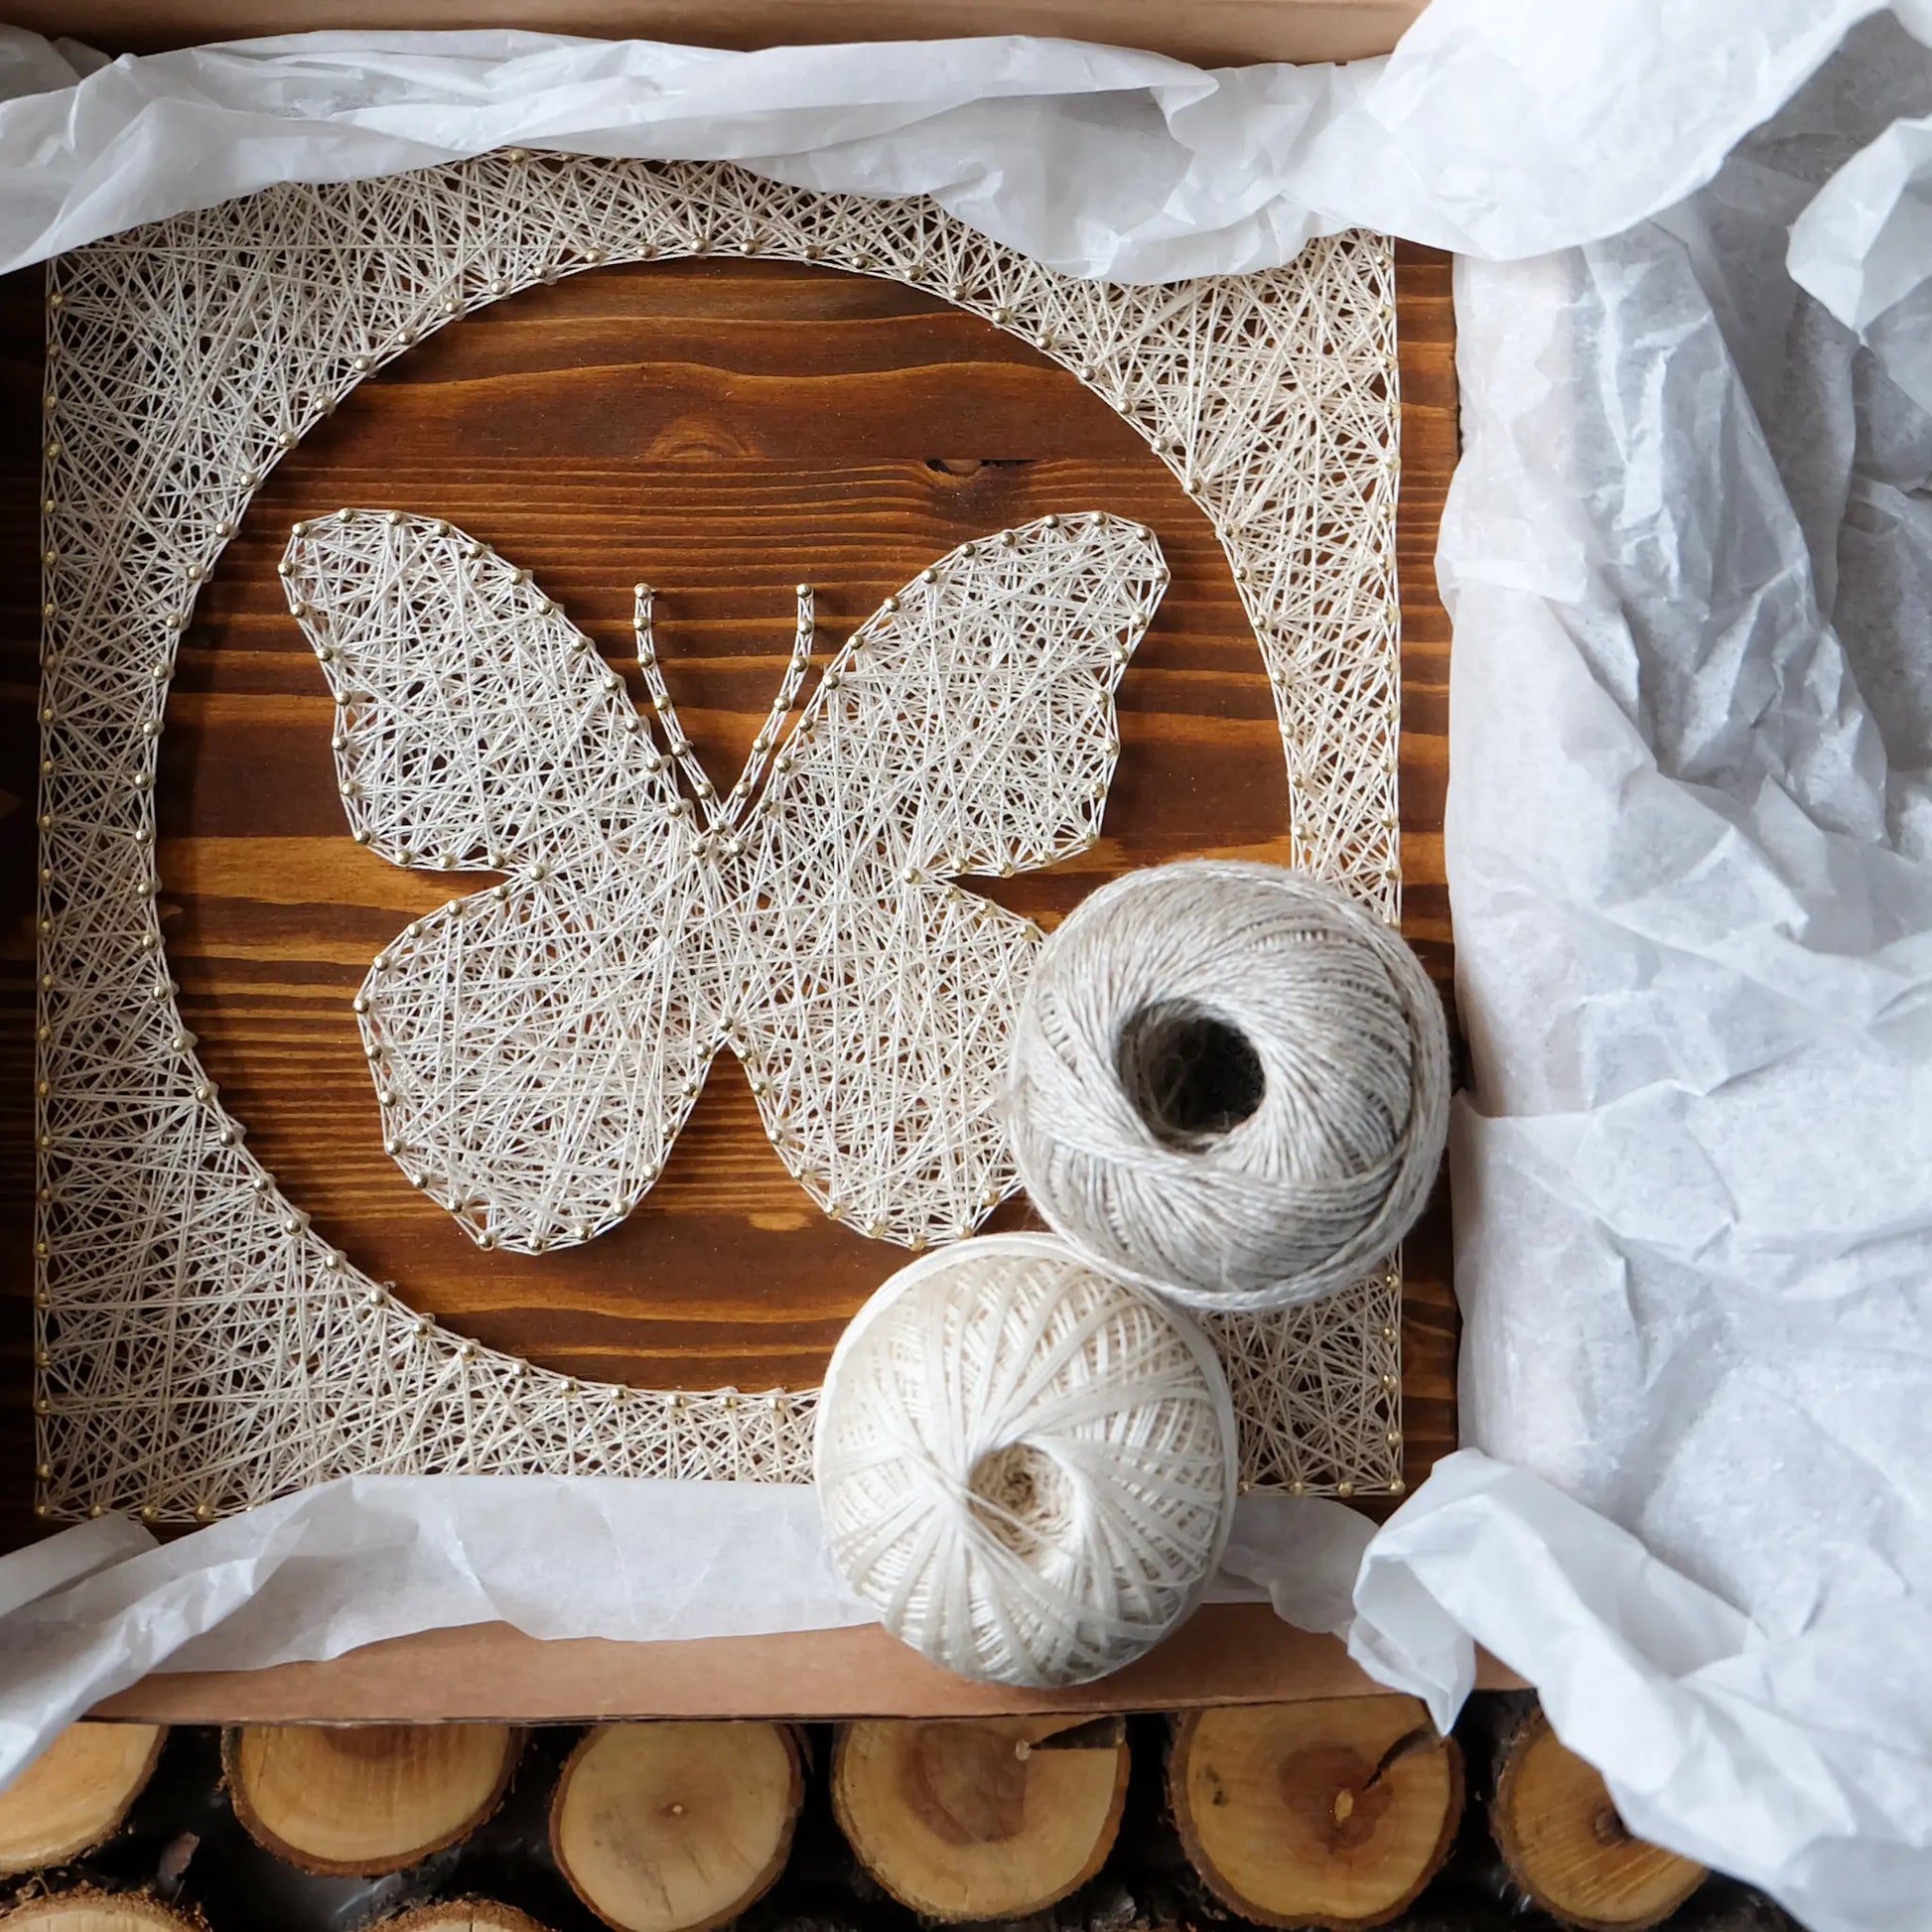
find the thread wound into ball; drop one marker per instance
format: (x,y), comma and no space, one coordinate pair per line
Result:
(1028,1468)
(1229,1084)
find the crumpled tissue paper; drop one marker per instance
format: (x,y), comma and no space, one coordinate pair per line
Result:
(1497,128)
(1689,556)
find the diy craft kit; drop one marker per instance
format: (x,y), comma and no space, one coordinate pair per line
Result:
(536,1046)
(1091,1147)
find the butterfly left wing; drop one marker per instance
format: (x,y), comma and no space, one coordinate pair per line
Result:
(476,728)
(536,1045)
(968,728)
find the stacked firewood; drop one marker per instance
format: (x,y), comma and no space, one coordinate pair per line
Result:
(1342,1813)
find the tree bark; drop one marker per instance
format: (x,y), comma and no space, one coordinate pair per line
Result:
(1333,1813)
(462,1915)
(980,1819)
(676,1827)
(76,1794)
(87,1910)
(1565,1845)
(355,1801)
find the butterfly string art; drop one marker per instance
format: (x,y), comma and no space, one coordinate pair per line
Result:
(199,1345)
(537,1044)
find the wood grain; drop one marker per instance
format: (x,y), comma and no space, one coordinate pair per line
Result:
(722,429)
(362,1802)
(1328,1812)
(1566,1845)
(1425,324)
(1214,33)
(76,1795)
(968,1822)
(676,1827)
(1225,1653)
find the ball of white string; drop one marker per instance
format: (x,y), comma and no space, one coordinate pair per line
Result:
(1027,1468)
(1230,1085)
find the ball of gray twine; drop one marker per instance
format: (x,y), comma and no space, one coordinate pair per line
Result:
(1229,1084)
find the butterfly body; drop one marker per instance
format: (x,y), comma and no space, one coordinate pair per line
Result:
(537,1046)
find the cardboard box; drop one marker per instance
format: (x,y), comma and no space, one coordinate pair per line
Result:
(1209,33)
(1226,1654)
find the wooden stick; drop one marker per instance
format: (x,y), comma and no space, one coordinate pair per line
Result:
(462,1915)
(76,1794)
(360,1800)
(676,1827)
(984,1818)
(1333,1813)
(1565,1845)
(87,1910)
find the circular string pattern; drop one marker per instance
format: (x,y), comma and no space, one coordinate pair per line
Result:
(1230,1085)
(199,1346)
(1027,1467)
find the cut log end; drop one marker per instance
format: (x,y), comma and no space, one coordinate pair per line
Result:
(676,1827)
(462,1915)
(1334,1812)
(980,1819)
(87,1910)
(76,1794)
(361,1799)
(1566,1845)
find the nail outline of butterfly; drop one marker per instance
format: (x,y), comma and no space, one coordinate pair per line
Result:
(533,761)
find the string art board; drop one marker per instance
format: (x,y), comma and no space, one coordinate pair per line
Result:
(202,1344)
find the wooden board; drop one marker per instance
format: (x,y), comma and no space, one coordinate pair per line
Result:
(722,429)
(1214,33)
(1226,1653)
(1425,324)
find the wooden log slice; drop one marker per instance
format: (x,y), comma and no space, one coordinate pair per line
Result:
(354,1801)
(1560,1833)
(87,1910)
(676,1827)
(1333,1813)
(76,1794)
(462,1915)
(982,1818)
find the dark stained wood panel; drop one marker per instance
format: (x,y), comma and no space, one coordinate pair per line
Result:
(722,429)
(1425,323)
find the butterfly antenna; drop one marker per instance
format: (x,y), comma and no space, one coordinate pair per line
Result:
(677,743)
(794,678)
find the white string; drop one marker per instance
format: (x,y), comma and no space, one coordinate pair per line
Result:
(1230,1085)
(199,1347)
(1029,1469)
(537,1046)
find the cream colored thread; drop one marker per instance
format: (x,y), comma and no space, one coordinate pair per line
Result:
(1029,1469)
(1336,1133)
(537,1046)
(201,1358)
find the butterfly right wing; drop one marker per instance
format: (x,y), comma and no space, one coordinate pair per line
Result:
(967,727)
(537,1046)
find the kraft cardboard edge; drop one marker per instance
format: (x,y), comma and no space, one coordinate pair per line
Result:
(1211,33)
(1226,1654)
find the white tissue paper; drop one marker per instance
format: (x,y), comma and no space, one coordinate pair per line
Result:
(352,1562)
(1689,556)
(1499,127)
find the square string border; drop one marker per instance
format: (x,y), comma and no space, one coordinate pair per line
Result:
(198,1349)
